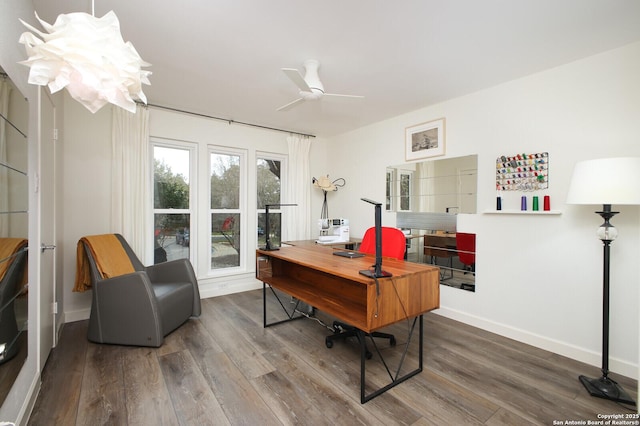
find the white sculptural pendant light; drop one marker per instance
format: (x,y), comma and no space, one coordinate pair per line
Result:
(87,56)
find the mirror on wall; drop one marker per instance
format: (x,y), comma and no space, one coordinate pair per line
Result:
(14,113)
(427,196)
(437,186)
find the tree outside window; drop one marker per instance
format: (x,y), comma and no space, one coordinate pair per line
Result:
(172,237)
(226,181)
(269,188)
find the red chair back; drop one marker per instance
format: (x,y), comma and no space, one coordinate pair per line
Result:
(466,246)
(394,243)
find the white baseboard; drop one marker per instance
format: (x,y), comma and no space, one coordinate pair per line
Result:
(214,290)
(618,366)
(29,401)
(207,290)
(79,315)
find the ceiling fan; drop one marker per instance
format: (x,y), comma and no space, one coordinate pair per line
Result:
(310,86)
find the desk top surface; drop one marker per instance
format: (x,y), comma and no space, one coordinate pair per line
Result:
(320,257)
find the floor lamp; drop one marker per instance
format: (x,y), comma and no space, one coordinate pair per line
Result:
(606,181)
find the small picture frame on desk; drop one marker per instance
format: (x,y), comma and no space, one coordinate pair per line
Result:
(425,140)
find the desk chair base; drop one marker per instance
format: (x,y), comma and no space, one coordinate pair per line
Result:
(343,331)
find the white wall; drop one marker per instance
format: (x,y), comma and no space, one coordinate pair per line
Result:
(87,185)
(86,192)
(539,278)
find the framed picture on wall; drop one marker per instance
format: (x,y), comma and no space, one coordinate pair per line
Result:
(425,140)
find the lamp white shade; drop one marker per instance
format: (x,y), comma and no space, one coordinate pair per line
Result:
(606,181)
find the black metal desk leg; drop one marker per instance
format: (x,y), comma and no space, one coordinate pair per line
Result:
(290,315)
(395,380)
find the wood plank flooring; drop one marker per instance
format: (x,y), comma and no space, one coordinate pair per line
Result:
(225,368)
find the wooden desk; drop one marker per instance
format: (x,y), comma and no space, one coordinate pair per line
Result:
(349,245)
(312,274)
(440,245)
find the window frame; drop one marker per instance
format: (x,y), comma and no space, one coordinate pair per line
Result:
(241,210)
(409,194)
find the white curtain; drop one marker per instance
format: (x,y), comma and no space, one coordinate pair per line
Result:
(5,91)
(297,220)
(130,185)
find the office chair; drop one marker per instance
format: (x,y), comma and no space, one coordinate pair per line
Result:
(394,244)
(466,247)
(139,307)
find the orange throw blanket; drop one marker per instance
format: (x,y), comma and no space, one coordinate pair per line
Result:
(8,248)
(111,259)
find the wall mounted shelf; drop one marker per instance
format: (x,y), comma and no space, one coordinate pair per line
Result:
(524,212)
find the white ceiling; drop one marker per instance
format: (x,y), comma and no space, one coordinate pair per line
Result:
(224,57)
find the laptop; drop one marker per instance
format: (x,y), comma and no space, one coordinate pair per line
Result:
(350,254)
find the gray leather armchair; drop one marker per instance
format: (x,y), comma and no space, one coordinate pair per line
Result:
(142,307)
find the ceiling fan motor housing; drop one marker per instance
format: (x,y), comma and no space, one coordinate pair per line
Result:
(313,80)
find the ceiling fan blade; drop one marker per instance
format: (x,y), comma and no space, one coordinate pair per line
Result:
(342,96)
(297,78)
(290,104)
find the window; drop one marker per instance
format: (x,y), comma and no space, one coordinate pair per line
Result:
(398,190)
(389,201)
(226,190)
(269,191)
(405,191)
(171,202)
(204,205)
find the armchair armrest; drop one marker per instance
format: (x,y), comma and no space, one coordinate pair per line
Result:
(171,271)
(179,270)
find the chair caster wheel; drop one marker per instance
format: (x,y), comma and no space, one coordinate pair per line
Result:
(368,355)
(328,343)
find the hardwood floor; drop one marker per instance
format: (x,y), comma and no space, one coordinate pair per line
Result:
(225,368)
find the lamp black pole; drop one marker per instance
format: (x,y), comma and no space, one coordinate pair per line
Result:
(267,230)
(604,387)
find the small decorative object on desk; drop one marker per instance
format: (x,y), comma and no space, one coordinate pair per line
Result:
(523,172)
(523,203)
(547,203)
(535,203)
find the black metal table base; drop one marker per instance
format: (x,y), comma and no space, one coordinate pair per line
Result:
(291,314)
(395,378)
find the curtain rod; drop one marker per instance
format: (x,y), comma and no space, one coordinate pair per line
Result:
(229,121)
